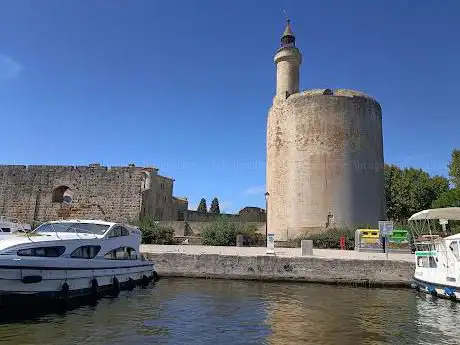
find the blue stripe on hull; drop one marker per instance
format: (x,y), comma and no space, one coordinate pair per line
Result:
(449,290)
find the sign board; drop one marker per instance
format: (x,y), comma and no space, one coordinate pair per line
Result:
(385,227)
(443,221)
(270,243)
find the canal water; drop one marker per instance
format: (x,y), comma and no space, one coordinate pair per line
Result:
(194,311)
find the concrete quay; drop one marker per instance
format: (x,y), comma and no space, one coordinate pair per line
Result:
(252,263)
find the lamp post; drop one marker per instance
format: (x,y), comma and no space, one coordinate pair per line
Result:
(267,194)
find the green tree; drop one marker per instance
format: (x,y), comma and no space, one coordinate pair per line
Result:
(450,198)
(202,208)
(214,209)
(410,190)
(221,232)
(154,233)
(454,168)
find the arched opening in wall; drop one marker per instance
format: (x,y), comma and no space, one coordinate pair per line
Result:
(328,92)
(62,194)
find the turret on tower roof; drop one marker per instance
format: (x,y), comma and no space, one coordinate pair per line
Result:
(288,38)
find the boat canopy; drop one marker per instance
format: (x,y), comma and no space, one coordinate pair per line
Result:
(452,213)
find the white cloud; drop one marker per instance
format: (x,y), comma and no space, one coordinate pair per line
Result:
(9,68)
(255,190)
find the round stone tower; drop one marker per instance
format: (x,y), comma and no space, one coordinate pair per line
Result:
(324,154)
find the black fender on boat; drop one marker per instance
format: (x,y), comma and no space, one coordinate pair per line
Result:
(65,290)
(94,288)
(116,286)
(155,276)
(145,281)
(131,284)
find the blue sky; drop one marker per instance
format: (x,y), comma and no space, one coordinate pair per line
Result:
(186,85)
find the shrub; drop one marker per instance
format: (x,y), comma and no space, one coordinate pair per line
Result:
(252,238)
(328,239)
(223,232)
(154,233)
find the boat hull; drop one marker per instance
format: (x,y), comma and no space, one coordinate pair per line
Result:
(436,289)
(64,283)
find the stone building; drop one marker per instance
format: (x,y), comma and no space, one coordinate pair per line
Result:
(122,194)
(324,154)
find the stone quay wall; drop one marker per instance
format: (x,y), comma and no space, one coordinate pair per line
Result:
(369,273)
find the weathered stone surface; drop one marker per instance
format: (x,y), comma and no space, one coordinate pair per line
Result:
(324,163)
(269,267)
(119,194)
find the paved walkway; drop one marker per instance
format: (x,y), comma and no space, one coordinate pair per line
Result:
(286,252)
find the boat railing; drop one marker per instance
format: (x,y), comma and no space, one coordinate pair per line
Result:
(75,228)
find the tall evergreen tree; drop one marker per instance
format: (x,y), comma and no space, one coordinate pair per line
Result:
(214,206)
(202,208)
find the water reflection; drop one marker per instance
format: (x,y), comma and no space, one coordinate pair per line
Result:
(192,311)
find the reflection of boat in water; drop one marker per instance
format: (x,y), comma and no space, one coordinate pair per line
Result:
(437,257)
(70,258)
(11,226)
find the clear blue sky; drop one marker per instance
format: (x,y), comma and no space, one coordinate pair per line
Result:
(186,85)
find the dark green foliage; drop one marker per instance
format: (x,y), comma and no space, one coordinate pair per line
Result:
(214,209)
(451,198)
(410,190)
(202,208)
(328,239)
(154,233)
(454,168)
(252,238)
(223,232)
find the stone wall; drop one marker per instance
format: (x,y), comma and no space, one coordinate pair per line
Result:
(39,193)
(36,192)
(246,214)
(187,228)
(301,269)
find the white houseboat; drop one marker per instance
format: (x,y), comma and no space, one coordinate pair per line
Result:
(70,258)
(436,253)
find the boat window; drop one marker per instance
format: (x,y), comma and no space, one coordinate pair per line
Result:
(85,252)
(118,231)
(53,252)
(6,230)
(122,253)
(426,261)
(454,248)
(88,228)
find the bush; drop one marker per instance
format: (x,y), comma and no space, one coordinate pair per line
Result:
(328,239)
(154,233)
(223,232)
(252,238)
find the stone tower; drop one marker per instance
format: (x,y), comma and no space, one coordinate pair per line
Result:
(287,59)
(324,154)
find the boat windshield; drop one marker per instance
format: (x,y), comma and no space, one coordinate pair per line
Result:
(89,228)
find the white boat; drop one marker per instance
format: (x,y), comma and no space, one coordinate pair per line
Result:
(11,226)
(70,258)
(437,255)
